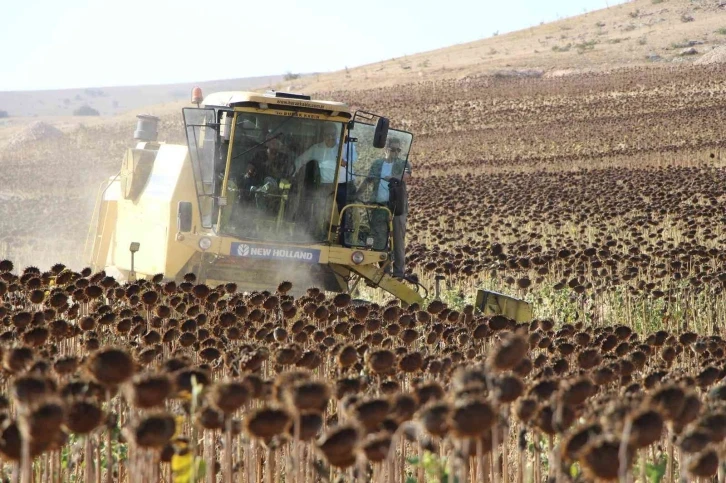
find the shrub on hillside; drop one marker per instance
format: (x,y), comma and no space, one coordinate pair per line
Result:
(4,114)
(86,110)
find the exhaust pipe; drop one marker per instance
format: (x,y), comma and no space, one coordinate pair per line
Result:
(146,128)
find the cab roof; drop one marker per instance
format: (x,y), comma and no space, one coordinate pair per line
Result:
(242,98)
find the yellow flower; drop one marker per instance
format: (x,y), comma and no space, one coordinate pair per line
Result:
(181,466)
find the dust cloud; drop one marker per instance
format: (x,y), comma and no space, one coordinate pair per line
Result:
(49,180)
(49,186)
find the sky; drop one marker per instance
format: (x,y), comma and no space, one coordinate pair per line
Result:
(52,44)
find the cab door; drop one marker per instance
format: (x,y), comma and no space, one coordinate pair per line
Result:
(202,131)
(368,216)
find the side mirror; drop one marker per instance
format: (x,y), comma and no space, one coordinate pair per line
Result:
(184,217)
(381,134)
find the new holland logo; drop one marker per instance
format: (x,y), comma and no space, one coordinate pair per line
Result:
(275,253)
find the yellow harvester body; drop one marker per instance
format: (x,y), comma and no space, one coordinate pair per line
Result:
(191,208)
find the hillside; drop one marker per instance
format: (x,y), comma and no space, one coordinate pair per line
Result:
(114,100)
(641,32)
(636,33)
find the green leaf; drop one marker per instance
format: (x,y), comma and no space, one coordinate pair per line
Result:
(411,479)
(656,472)
(574,470)
(413,460)
(201,467)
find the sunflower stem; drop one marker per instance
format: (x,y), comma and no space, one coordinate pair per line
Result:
(88,457)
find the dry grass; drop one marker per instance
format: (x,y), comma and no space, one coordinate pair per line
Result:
(619,36)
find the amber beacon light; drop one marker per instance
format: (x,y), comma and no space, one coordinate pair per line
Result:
(197,97)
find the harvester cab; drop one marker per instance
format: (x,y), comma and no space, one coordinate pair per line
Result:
(266,189)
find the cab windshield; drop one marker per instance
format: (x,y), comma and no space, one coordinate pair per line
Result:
(283,172)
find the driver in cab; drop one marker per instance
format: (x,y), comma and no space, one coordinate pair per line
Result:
(275,160)
(326,155)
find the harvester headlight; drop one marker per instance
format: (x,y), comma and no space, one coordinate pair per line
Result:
(357,257)
(205,243)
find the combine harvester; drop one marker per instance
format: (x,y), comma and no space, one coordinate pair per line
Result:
(251,199)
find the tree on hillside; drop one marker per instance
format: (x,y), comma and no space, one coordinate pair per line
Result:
(4,114)
(86,110)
